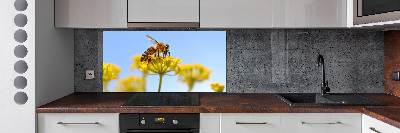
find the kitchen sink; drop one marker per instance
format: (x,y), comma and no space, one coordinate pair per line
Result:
(317,99)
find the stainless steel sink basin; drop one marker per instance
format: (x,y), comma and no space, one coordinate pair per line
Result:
(316,99)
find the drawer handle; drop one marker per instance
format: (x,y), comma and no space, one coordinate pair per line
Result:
(310,123)
(64,123)
(251,122)
(373,129)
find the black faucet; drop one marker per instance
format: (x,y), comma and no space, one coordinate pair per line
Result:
(324,85)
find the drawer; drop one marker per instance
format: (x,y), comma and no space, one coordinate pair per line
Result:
(250,123)
(321,123)
(330,122)
(372,125)
(78,123)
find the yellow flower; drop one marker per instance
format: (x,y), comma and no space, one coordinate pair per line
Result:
(136,62)
(161,66)
(192,73)
(217,87)
(110,72)
(136,65)
(130,84)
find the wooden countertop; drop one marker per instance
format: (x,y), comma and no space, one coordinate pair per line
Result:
(387,115)
(219,103)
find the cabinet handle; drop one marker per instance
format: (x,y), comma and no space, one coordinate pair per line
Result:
(77,123)
(251,122)
(373,129)
(310,123)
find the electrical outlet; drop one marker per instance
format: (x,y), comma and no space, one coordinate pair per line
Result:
(89,74)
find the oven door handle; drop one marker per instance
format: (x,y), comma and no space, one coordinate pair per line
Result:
(162,131)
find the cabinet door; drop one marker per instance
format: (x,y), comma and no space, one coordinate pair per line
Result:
(163,11)
(372,125)
(78,123)
(209,122)
(321,123)
(250,123)
(236,13)
(91,14)
(309,13)
(330,13)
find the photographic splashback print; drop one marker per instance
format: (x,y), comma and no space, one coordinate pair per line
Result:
(164,61)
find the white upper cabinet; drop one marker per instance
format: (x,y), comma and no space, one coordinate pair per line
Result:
(209,13)
(309,13)
(143,11)
(90,13)
(273,13)
(236,13)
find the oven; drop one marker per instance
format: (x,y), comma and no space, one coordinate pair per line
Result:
(374,11)
(159,123)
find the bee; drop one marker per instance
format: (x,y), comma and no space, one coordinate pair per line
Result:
(146,56)
(154,50)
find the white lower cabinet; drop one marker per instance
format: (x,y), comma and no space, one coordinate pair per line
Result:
(372,125)
(78,123)
(227,123)
(209,122)
(281,123)
(321,123)
(250,123)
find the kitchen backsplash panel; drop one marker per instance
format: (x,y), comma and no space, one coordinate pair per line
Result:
(88,56)
(392,59)
(264,60)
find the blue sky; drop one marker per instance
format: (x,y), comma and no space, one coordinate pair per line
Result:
(205,47)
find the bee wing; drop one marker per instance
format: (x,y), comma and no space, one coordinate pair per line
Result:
(152,40)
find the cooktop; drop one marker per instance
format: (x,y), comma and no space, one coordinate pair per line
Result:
(163,99)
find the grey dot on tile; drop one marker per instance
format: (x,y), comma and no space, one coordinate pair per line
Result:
(20,67)
(20,36)
(20,82)
(20,20)
(20,51)
(20,98)
(20,5)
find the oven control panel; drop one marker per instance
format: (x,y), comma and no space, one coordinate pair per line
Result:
(159,121)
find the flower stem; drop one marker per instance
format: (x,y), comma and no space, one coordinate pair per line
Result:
(105,84)
(159,84)
(191,84)
(144,76)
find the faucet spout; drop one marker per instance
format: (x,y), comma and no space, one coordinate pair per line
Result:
(324,84)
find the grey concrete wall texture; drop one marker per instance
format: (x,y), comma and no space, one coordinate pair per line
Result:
(274,61)
(88,56)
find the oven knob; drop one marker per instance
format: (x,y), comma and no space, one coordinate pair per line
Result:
(143,122)
(175,122)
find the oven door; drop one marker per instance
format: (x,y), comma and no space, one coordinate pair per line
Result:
(164,131)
